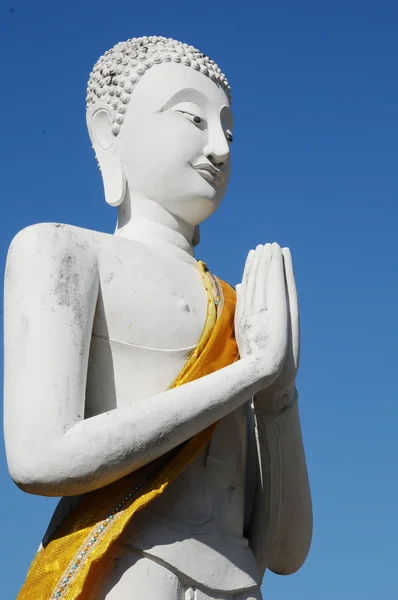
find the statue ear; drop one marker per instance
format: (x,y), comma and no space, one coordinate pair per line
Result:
(196,236)
(99,123)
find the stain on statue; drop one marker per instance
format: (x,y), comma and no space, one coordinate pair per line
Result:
(157,401)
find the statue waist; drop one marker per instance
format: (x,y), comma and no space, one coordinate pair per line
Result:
(201,552)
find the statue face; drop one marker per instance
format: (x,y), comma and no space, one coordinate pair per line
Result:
(174,144)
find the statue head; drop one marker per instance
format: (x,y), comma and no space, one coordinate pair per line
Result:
(159,118)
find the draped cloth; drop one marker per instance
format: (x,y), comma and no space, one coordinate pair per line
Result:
(73,564)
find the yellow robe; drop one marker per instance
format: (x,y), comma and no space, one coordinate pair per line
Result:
(73,564)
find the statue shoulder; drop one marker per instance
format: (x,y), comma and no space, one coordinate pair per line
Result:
(40,252)
(51,242)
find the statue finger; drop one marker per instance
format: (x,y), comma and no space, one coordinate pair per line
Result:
(254,281)
(293,305)
(277,301)
(244,289)
(262,275)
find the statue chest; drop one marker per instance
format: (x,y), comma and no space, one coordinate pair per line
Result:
(150,302)
(150,315)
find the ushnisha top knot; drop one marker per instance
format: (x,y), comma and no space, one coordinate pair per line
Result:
(115,74)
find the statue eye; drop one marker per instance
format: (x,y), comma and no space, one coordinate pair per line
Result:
(230,137)
(193,118)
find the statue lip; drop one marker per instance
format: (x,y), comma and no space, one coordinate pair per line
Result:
(210,173)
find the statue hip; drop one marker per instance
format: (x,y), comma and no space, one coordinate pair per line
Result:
(196,526)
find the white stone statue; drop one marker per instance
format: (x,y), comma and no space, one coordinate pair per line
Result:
(98,326)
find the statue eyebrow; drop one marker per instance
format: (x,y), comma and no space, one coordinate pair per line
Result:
(185,95)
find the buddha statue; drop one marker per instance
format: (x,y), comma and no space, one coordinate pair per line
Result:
(159,403)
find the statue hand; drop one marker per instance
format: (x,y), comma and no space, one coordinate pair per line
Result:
(288,374)
(261,319)
(281,393)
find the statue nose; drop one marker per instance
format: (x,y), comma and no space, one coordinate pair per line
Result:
(218,159)
(217,151)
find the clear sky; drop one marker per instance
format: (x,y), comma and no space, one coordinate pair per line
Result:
(315,98)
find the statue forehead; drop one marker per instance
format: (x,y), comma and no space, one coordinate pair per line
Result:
(165,80)
(117,73)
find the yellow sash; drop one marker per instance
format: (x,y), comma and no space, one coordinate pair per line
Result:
(72,566)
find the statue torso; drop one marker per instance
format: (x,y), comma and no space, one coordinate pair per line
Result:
(150,314)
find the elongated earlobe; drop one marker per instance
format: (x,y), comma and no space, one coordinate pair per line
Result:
(99,123)
(113,179)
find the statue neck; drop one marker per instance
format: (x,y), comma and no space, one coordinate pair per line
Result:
(146,221)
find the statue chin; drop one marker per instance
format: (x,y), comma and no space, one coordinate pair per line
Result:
(194,210)
(192,207)
(197,204)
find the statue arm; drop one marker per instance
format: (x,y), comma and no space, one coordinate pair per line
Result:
(279,513)
(280,527)
(50,299)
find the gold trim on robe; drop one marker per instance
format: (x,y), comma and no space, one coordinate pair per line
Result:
(73,564)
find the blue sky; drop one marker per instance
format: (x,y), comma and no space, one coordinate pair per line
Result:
(315,98)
